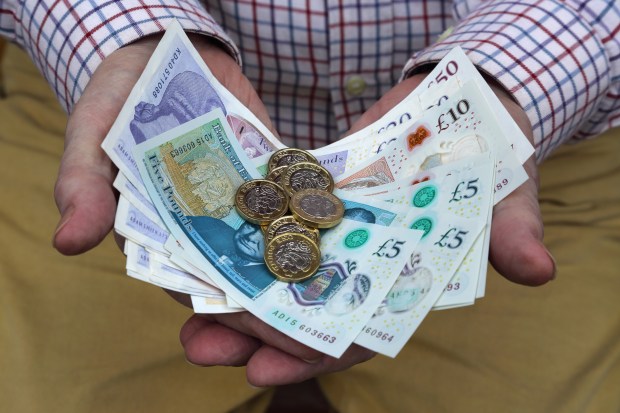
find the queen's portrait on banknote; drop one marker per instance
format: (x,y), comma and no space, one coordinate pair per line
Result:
(187,96)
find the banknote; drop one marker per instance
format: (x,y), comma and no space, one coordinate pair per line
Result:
(462,126)
(134,225)
(451,212)
(451,73)
(154,268)
(161,268)
(470,278)
(461,288)
(457,64)
(191,173)
(469,281)
(417,221)
(363,209)
(135,197)
(474,175)
(420,283)
(178,87)
(213,305)
(177,256)
(334,161)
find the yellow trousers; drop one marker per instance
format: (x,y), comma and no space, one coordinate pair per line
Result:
(78,335)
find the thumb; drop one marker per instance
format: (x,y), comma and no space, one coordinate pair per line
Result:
(517,251)
(83,190)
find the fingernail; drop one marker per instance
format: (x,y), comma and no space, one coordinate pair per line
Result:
(555,264)
(193,364)
(255,387)
(313,361)
(66,217)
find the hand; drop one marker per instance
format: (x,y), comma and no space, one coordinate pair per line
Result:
(84,193)
(87,203)
(516,249)
(271,357)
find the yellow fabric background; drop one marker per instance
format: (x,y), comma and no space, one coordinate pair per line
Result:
(77,335)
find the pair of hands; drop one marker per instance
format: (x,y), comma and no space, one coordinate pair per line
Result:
(87,204)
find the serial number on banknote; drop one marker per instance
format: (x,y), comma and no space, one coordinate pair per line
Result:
(316,333)
(379,335)
(313,332)
(189,146)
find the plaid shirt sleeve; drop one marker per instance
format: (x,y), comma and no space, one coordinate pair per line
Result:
(559,59)
(68,40)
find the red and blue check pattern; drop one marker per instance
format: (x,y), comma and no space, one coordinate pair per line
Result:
(319,65)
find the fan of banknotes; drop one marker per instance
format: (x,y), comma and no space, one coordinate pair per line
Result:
(418,187)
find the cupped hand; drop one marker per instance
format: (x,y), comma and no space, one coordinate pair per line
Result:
(271,357)
(516,250)
(84,193)
(87,204)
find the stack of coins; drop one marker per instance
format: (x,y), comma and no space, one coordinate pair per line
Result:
(296,183)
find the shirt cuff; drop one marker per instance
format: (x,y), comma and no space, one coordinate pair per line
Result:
(542,52)
(68,42)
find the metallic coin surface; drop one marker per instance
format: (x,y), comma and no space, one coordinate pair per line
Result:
(316,208)
(306,175)
(289,156)
(260,201)
(276,174)
(288,224)
(292,257)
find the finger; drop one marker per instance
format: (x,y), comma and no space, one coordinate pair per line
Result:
(181,298)
(247,323)
(388,101)
(208,343)
(271,367)
(517,251)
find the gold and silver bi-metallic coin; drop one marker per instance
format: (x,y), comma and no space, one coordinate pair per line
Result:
(306,175)
(288,224)
(275,175)
(292,257)
(316,208)
(289,156)
(261,201)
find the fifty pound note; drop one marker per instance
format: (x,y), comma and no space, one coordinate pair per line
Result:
(192,173)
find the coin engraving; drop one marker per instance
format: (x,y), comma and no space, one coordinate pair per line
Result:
(260,201)
(292,257)
(288,224)
(290,156)
(306,175)
(276,174)
(316,208)
(263,200)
